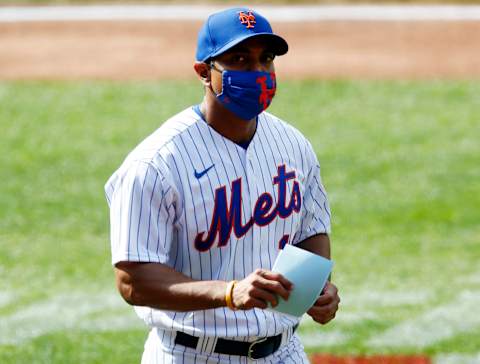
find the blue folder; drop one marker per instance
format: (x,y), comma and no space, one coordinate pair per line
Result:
(308,272)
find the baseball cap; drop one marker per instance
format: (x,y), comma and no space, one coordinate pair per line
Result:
(225,29)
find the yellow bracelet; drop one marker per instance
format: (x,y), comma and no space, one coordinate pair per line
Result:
(229,295)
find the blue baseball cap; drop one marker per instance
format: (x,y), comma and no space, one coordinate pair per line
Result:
(227,28)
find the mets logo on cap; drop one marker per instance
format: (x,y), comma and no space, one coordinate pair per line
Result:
(247,18)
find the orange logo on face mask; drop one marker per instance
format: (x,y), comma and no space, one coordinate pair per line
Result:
(247,18)
(267,93)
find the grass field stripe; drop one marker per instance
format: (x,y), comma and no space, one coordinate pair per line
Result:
(457,358)
(65,312)
(437,324)
(274,13)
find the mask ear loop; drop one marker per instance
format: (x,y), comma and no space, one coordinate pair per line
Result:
(213,67)
(222,72)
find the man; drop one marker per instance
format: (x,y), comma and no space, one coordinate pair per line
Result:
(201,208)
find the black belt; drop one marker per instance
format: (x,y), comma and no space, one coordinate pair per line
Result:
(255,350)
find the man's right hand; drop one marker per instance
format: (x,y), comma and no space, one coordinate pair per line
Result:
(260,288)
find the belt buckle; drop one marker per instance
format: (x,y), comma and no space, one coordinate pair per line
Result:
(250,348)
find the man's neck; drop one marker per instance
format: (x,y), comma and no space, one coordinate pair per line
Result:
(225,122)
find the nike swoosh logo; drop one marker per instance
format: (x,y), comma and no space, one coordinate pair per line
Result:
(199,175)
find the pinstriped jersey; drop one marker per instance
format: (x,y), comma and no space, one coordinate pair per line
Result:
(194,200)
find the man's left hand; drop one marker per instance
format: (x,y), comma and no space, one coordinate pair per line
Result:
(326,306)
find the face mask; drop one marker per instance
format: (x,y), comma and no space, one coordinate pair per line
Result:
(247,93)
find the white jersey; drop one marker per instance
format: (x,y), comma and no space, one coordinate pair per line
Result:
(192,199)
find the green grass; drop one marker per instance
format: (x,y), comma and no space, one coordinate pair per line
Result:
(399,160)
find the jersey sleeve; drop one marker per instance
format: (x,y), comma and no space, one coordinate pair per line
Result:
(142,214)
(316,210)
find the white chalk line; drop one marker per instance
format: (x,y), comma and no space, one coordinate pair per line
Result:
(72,311)
(457,358)
(472,279)
(371,298)
(319,338)
(102,311)
(351,318)
(273,13)
(6,298)
(439,323)
(356,308)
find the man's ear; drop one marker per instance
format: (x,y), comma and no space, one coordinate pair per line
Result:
(203,72)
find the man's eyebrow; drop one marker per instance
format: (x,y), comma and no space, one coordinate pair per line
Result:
(239,49)
(247,50)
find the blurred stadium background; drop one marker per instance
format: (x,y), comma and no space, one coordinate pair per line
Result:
(390,103)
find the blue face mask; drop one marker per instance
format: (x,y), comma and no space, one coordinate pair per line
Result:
(247,93)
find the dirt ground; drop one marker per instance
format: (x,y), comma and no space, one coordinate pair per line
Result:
(158,50)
